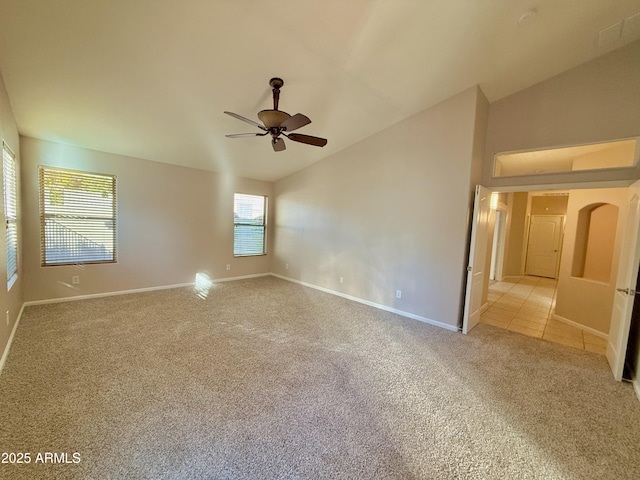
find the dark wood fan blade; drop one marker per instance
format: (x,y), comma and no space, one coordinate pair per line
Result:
(308,139)
(295,122)
(278,144)
(250,122)
(240,135)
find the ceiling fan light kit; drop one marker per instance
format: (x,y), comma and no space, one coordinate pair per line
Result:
(272,118)
(278,123)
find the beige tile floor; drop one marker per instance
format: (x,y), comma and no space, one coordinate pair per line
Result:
(525,305)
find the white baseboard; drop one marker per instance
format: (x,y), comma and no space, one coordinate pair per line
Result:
(135,290)
(104,294)
(10,341)
(243,277)
(402,313)
(590,330)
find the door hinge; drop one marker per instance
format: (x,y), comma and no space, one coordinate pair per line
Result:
(469,268)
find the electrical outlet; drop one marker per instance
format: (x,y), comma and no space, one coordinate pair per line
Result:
(341,280)
(228,267)
(286,266)
(398,293)
(75,280)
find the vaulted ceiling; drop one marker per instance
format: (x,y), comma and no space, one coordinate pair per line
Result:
(151,78)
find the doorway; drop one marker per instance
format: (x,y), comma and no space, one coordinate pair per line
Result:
(534,224)
(597,289)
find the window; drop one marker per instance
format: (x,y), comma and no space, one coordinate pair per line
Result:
(77,217)
(10,188)
(249,226)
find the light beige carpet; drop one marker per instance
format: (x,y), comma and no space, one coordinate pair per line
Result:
(268,379)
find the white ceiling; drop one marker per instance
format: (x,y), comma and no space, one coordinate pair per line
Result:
(151,78)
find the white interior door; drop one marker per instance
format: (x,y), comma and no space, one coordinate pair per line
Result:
(626,286)
(477,259)
(543,251)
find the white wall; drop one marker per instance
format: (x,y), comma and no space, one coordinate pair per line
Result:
(10,301)
(388,213)
(173,222)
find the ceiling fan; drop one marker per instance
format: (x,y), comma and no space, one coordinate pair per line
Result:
(278,123)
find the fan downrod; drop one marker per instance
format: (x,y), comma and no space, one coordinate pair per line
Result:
(276,83)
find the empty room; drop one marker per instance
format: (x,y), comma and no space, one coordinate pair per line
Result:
(320,239)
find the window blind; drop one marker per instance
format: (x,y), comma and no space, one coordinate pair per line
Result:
(10,189)
(77,217)
(249,227)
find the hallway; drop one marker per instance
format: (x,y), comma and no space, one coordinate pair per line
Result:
(525,305)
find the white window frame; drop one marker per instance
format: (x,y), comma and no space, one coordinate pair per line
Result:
(238,225)
(83,211)
(10,193)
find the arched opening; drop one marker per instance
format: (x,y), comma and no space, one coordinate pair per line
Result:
(595,242)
